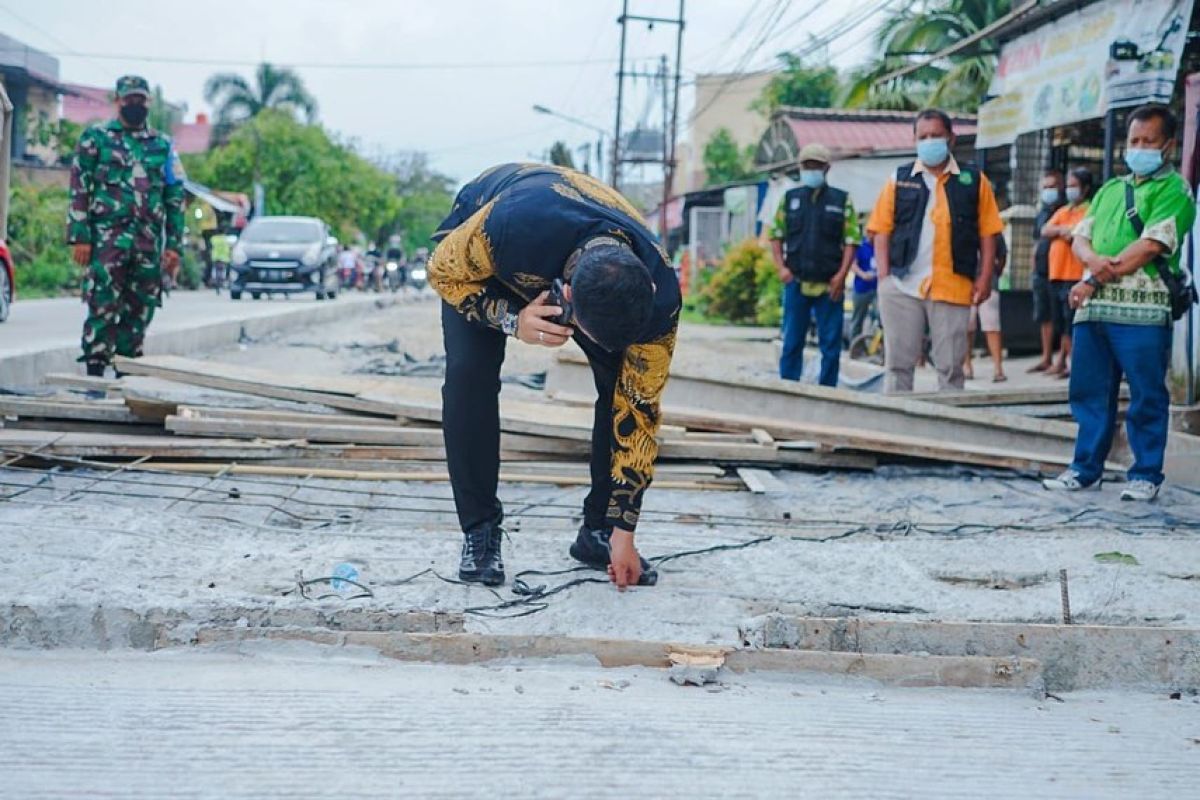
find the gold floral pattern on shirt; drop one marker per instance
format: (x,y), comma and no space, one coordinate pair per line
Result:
(636,420)
(461,266)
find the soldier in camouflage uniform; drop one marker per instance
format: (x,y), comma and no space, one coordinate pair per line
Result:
(126,212)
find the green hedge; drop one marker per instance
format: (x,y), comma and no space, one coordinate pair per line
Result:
(743,289)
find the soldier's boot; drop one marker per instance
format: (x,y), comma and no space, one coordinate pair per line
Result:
(95,369)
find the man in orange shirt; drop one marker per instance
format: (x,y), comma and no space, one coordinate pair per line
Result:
(1066,269)
(935,225)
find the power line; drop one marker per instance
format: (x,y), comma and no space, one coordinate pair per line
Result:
(348,65)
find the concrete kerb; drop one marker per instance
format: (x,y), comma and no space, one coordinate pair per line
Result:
(108,628)
(27,369)
(1073,657)
(973,672)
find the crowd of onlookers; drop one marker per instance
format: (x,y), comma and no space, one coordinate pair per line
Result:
(1107,281)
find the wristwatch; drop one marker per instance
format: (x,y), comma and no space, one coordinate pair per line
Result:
(1092,281)
(508,324)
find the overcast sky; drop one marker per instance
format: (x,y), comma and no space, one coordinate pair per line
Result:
(472,105)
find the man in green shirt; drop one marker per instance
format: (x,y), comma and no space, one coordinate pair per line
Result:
(813,241)
(1123,317)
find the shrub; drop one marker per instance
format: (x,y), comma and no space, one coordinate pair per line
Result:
(737,288)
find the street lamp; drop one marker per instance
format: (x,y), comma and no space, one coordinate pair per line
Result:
(599,142)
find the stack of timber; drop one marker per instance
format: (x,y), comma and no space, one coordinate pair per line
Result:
(207,417)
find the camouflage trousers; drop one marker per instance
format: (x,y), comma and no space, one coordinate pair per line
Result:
(123,288)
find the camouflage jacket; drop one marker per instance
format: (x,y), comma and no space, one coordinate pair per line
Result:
(126,190)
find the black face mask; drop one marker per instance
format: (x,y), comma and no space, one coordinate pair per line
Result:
(134,114)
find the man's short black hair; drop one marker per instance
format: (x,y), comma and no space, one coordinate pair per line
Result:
(934,113)
(1157,111)
(613,295)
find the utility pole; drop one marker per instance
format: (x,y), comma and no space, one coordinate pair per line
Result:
(669,135)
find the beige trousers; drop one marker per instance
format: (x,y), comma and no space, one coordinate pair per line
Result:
(905,321)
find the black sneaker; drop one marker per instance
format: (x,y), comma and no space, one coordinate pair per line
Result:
(594,548)
(481,559)
(95,369)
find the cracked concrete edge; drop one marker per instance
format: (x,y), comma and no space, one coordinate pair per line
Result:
(1073,657)
(107,627)
(27,369)
(472,648)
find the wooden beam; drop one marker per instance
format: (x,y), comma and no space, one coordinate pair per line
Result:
(81,411)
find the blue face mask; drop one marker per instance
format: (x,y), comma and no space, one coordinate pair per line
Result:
(1073,194)
(933,152)
(1143,162)
(1050,196)
(812,178)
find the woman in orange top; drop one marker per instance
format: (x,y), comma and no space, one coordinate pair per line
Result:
(1065,269)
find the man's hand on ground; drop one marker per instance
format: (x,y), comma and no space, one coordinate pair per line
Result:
(983,290)
(533,327)
(170,262)
(81,254)
(625,568)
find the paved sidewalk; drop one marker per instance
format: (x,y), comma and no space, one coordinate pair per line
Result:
(300,721)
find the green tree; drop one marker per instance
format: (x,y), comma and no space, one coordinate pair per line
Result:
(958,82)
(724,161)
(235,101)
(424,197)
(799,85)
(303,171)
(560,155)
(36,235)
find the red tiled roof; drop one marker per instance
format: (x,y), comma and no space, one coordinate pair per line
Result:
(847,132)
(192,137)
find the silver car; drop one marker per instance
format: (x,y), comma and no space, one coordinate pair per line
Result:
(284,255)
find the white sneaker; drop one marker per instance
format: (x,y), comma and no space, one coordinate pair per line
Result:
(1140,490)
(1068,481)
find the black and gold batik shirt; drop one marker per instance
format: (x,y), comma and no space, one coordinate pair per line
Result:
(516,228)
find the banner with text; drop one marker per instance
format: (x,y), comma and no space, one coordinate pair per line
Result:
(1110,54)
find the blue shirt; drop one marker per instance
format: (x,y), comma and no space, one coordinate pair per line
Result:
(865,255)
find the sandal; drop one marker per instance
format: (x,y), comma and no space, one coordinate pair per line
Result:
(1001,378)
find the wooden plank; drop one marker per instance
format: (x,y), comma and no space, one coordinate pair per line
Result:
(759,481)
(272,415)
(186,425)
(96,445)
(712,484)
(761,436)
(113,411)
(823,406)
(1026,395)
(391,397)
(70,380)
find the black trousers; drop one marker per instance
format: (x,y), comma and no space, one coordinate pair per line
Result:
(471,420)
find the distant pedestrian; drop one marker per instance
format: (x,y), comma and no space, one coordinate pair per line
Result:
(866,281)
(1039,280)
(125,225)
(221,250)
(935,225)
(813,242)
(1128,240)
(1066,269)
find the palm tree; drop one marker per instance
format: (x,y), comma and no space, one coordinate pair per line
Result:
(960,81)
(235,101)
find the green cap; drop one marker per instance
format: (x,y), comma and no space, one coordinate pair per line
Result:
(132,84)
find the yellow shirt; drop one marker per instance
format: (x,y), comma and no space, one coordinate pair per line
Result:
(943,283)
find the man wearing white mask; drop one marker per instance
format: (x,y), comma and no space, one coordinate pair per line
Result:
(813,241)
(1129,243)
(935,226)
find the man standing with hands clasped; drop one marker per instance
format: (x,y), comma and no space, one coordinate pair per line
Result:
(813,241)
(126,215)
(935,227)
(1129,245)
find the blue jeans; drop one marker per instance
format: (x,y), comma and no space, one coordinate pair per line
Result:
(798,311)
(1101,352)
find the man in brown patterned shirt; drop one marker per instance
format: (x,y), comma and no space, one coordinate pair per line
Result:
(513,231)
